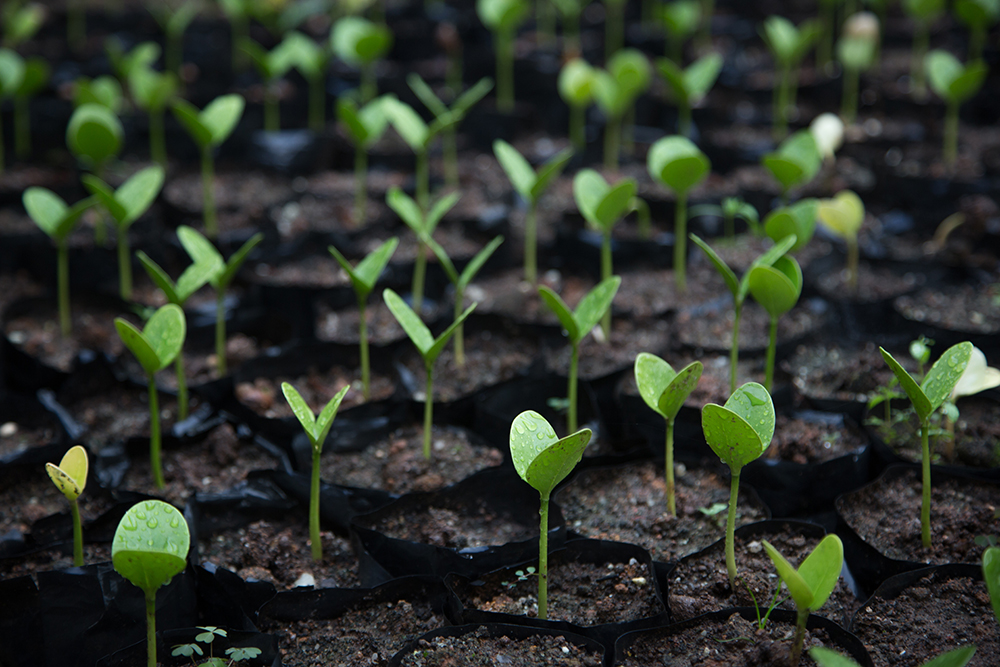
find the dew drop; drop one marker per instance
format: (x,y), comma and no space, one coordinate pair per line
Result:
(174,523)
(153,523)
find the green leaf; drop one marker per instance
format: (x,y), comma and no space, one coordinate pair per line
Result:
(740,431)
(305,54)
(548,172)
(562,311)
(679,389)
(358,41)
(138,192)
(969,82)
(236,261)
(46,208)
(441,341)
(611,98)
(821,569)
(70,476)
(438,211)
(406,209)
(700,76)
(776,287)
(104,91)
(825,657)
(193,278)
(978,13)
(991,575)
(781,38)
(425,94)
(165,332)
(138,345)
(589,189)
(159,277)
(410,321)
(474,265)
(36,74)
(446,264)
(796,161)
(541,458)
(958,657)
(753,403)
(152,90)
(674,76)
(410,126)
(728,275)
(188,116)
(150,545)
(677,163)
(221,116)
(945,373)
(301,410)
(366,274)
(520,173)
(200,249)
(502,15)
(593,306)
(661,388)
(631,70)
(467,99)
(105,195)
(94,133)
(798,219)
(920,401)
(843,214)
(950,79)
(800,591)
(11,72)
(681,18)
(576,83)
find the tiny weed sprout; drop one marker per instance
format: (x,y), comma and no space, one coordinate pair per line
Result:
(798,219)
(738,433)
(316,428)
(954,83)
(857,51)
(360,43)
(152,91)
(202,251)
(36,74)
(428,347)
(958,657)
(602,206)
(577,324)
(150,547)
(207,637)
(271,66)
(777,288)
(57,220)
(158,344)
(363,278)
(810,585)
(70,477)
(991,575)
(679,165)
(461,281)
(978,16)
(423,222)
(795,163)
(209,128)
(311,60)
(924,13)
(631,72)
(543,459)
(740,288)
(365,126)
(681,19)
(665,390)
(503,17)
(689,86)
(174,19)
(788,45)
(729,209)
(418,135)
(843,216)
(576,87)
(125,205)
(927,397)
(530,185)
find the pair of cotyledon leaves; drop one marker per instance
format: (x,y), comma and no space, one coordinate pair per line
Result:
(528,183)
(939,382)
(678,163)
(70,476)
(579,322)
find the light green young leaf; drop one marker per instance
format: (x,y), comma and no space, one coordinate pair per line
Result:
(200,249)
(438,210)
(520,173)
(160,341)
(950,79)
(541,458)
(425,94)
(576,83)
(916,395)
(160,277)
(358,41)
(978,13)
(441,341)
(142,56)
(407,209)
(601,204)
(728,275)
(150,545)
(776,287)
(548,172)
(663,389)
(104,194)
(301,410)
(104,91)
(609,95)
(796,161)
(236,261)
(502,15)
(562,311)
(366,273)
(325,420)
(152,90)
(408,123)
(476,263)
(631,70)
(677,163)
(741,430)
(467,99)
(798,219)
(700,76)
(137,193)
(188,115)
(682,17)
(221,116)
(94,133)
(36,74)
(70,476)
(50,212)
(11,72)
(821,569)
(958,657)
(843,214)
(800,591)
(410,321)
(594,303)
(991,575)
(945,373)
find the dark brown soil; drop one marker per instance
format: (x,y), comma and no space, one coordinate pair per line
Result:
(37,333)
(249,192)
(341,326)
(800,440)
(967,308)
(264,395)
(874,284)
(841,372)
(480,650)
(711,327)
(602,357)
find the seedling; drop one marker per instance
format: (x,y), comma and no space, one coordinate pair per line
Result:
(202,251)
(740,288)
(125,205)
(363,278)
(158,344)
(857,51)
(150,547)
(795,163)
(632,72)
(56,219)
(20,23)
(316,428)
(361,43)
(36,74)
(738,433)
(142,56)
(207,636)
(530,185)
(614,27)
(798,219)
(954,83)
(365,126)
(843,215)
(311,60)
(681,19)
(788,45)
(423,226)
(95,135)
(978,16)
(461,282)
(678,164)
(272,66)
(576,87)
(991,575)
(665,390)
(418,135)
(577,324)
(924,13)
(428,347)
(104,90)
(502,18)
(70,477)
(602,206)
(690,85)
(978,376)
(209,128)
(152,91)
(238,15)
(615,91)
(543,459)
(958,657)
(927,397)
(174,19)
(810,585)
(730,209)
(777,288)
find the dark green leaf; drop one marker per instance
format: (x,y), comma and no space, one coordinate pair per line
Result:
(562,311)
(94,133)
(920,401)
(677,163)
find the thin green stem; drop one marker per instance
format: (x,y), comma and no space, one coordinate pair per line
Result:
(729,225)
(182,387)
(124,264)
(22,128)
(419,273)
(74,510)
(605,274)
(772,345)
(530,245)
(316,543)
(366,371)
(577,133)
(612,142)
(684,118)
(707,9)
(668,452)
(459,330)
(150,627)
(571,36)
(571,387)
(450,141)
(680,242)
(543,556)
(174,55)
(428,410)
(369,87)
(504,45)
(240,31)
(154,433)
(780,104)
(734,349)
(950,149)
(220,331)
(208,192)
(423,186)
(734,490)
(795,656)
(925,467)
(62,287)
(628,130)
(157,140)
(360,185)
(317,103)
(614,27)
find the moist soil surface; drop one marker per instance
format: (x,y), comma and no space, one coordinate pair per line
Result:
(842,372)
(966,308)
(264,395)
(478,649)
(812,438)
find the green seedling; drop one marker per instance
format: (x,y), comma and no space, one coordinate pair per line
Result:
(729,209)
(143,55)
(207,636)
(237,13)
(777,288)
(70,477)
(738,432)
(365,126)
(810,585)
(150,547)
(209,128)
(272,66)
(920,350)
(502,18)
(679,165)
(576,87)
(361,43)
(530,185)
(202,251)
(577,324)
(20,23)
(363,278)
(450,117)
(153,91)
(104,90)
(739,288)
(543,459)
(923,13)
(316,428)
(615,90)
(125,205)
(954,83)
(843,215)
(689,86)
(155,347)
(788,45)
(857,51)
(927,397)
(958,657)
(428,347)
(633,73)
(461,282)
(311,60)
(57,220)
(174,18)
(418,135)
(95,135)
(978,16)
(36,75)
(602,206)
(681,19)
(664,390)
(795,162)
(991,575)
(798,219)
(423,226)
